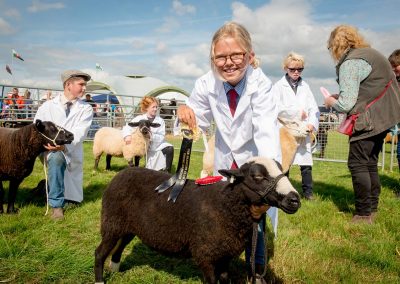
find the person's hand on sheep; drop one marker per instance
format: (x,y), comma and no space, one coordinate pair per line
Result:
(128,140)
(257,211)
(303,115)
(186,115)
(54,148)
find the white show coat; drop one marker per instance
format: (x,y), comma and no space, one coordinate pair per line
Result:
(290,106)
(155,158)
(253,131)
(78,122)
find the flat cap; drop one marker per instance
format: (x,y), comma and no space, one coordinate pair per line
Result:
(68,74)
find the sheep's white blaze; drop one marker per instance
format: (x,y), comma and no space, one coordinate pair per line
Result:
(284,186)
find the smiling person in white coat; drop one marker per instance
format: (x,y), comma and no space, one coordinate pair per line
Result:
(237,96)
(161,153)
(297,102)
(65,162)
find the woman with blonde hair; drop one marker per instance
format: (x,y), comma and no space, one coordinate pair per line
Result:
(161,153)
(367,88)
(297,102)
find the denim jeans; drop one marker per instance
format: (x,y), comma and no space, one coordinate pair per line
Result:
(56,168)
(259,257)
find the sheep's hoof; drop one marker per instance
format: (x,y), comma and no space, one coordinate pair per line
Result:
(12,211)
(114,267)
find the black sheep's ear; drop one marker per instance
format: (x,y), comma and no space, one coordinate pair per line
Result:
(155,125)
(232,175)
(279,165)
(39,125)
(133,124)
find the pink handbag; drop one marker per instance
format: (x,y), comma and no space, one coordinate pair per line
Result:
(347,125)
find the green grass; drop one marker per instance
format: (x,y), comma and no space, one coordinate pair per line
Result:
(315,245)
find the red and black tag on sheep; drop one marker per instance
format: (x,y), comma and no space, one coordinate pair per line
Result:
(19,149)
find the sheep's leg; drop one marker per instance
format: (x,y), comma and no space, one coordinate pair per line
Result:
(117,253)
(14,184)
(108,162)
(1,197)
(130,163)
(137,160)
(100,255)
(208,272)
(221,270)
(96,162)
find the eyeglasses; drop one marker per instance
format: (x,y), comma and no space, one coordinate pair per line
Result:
(296,69)
(236,58)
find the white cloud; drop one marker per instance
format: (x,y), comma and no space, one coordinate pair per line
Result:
(189,64)
(5,27)
(12,13)
(38,6)
(161,47)
(181,9)
(170,24)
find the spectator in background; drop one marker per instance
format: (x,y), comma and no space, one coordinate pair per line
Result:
(12,103)
(89,100)
(296,102)
(28,102)
(364,76)
(394,60)
(48,96)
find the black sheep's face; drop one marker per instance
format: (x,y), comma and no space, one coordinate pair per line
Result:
(144,126)
(259,182)
(54,133)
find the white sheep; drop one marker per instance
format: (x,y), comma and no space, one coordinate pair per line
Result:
(110,141)
(291,135)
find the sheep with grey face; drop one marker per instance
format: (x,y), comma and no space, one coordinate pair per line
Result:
(208,223)
(19,149)
(109,140)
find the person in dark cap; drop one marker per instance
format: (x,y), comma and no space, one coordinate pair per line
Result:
(65,172)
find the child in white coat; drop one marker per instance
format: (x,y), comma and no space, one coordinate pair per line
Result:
(161,153)
(296,101)
(236,95)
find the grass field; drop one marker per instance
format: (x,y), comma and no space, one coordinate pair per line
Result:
(315,245)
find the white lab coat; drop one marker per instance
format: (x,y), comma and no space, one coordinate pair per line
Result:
(155,157)
(78,122)
(253,131)
(290,106)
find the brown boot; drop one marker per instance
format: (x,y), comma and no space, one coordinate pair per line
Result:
(57,214)
(358,219)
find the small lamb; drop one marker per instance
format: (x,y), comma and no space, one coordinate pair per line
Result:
(109,140)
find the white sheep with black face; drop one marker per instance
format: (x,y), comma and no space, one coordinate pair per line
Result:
(110,141)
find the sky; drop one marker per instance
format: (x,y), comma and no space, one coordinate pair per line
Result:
(170,40)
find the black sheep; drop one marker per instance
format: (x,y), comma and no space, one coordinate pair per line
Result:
(19,149)
(208,223)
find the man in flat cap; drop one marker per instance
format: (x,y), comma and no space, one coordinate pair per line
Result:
(65,171)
